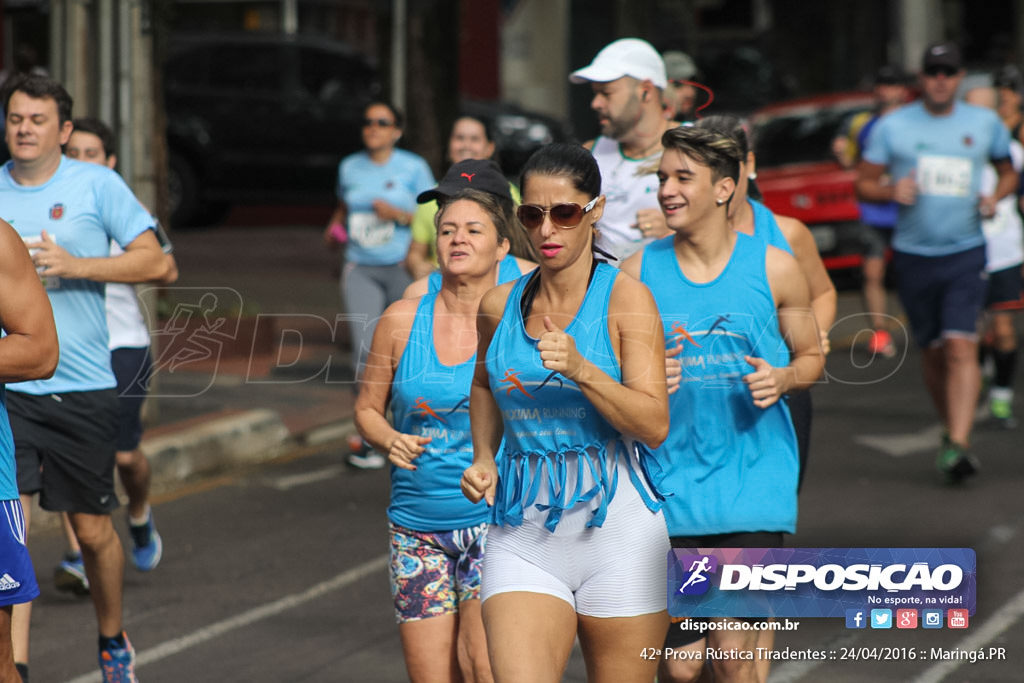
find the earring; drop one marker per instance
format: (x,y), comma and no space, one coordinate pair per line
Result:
(719,202)
(752,176)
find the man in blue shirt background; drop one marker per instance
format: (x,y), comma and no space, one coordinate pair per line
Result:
(934,151)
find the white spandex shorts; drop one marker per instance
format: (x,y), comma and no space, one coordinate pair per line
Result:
(617,570)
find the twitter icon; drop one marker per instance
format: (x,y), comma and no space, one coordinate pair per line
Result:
(881,618)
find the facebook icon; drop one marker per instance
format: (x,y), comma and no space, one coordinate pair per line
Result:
(855,618)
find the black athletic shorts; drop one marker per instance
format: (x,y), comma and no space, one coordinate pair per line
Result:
(64,448)
(131,368)
(1004,286)
(677,637)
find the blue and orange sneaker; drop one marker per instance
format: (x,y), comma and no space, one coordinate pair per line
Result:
(117,664)
(70,575)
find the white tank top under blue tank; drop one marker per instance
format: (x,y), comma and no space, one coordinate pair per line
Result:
(559,452)
(729,465)
(431,399)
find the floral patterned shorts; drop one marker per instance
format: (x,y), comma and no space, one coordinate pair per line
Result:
(432,572)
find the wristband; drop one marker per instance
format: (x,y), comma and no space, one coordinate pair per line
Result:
(337,231)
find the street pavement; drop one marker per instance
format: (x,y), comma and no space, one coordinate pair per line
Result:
(274,566)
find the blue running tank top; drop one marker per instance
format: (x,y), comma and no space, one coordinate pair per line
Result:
(767,228)
(8,479)
(508,270)
(729,465)
(559,452)
(432,399)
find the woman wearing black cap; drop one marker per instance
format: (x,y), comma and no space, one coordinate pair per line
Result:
(420,368)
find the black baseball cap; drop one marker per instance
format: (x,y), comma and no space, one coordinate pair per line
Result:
(890,74)
(470,174)
(945,54)
(1009,77)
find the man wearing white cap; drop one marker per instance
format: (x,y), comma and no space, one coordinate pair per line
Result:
(628,77)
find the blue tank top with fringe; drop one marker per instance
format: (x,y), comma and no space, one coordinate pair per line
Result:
(557,445)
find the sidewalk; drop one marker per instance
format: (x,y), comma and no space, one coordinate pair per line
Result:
(252,356)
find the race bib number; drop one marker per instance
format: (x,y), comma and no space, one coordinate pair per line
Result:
(49,281)
(367,230)
(944,176)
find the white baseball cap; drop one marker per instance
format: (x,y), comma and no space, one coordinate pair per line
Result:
(624,57)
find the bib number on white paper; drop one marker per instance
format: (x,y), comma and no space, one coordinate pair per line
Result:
(367,230)
(943,176)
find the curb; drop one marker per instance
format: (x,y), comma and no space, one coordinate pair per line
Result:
(215,445)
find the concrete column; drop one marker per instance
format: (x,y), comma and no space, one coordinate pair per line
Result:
(535,56)
(399,33)
(289,17)
(920,23)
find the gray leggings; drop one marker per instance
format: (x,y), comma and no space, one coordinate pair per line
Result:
(367,291)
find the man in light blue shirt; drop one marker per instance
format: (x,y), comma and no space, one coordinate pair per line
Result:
(934,150)
(67,212)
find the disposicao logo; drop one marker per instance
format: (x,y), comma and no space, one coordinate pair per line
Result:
(818,582)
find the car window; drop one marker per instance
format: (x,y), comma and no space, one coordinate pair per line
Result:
(800,137)
(253,68)
(189,68)
(327,76)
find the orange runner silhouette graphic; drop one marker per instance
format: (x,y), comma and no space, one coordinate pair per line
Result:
(427,410)
(681,331)
(512,378)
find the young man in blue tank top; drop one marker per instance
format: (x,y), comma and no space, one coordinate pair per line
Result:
(729,305)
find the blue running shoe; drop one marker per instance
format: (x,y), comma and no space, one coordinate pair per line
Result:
(117,664)
(69,576)
(147,547)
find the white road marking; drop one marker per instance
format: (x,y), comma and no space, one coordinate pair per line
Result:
(902,445)
(331,432)
(1000,622)
(290,482)
(206,633)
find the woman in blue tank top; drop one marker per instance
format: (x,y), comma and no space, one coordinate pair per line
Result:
(573,382)
(421,366)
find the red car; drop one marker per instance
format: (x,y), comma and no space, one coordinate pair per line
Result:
(799,176)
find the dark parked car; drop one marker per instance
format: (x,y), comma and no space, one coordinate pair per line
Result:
(263,118)
(800,177)
(267,118)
